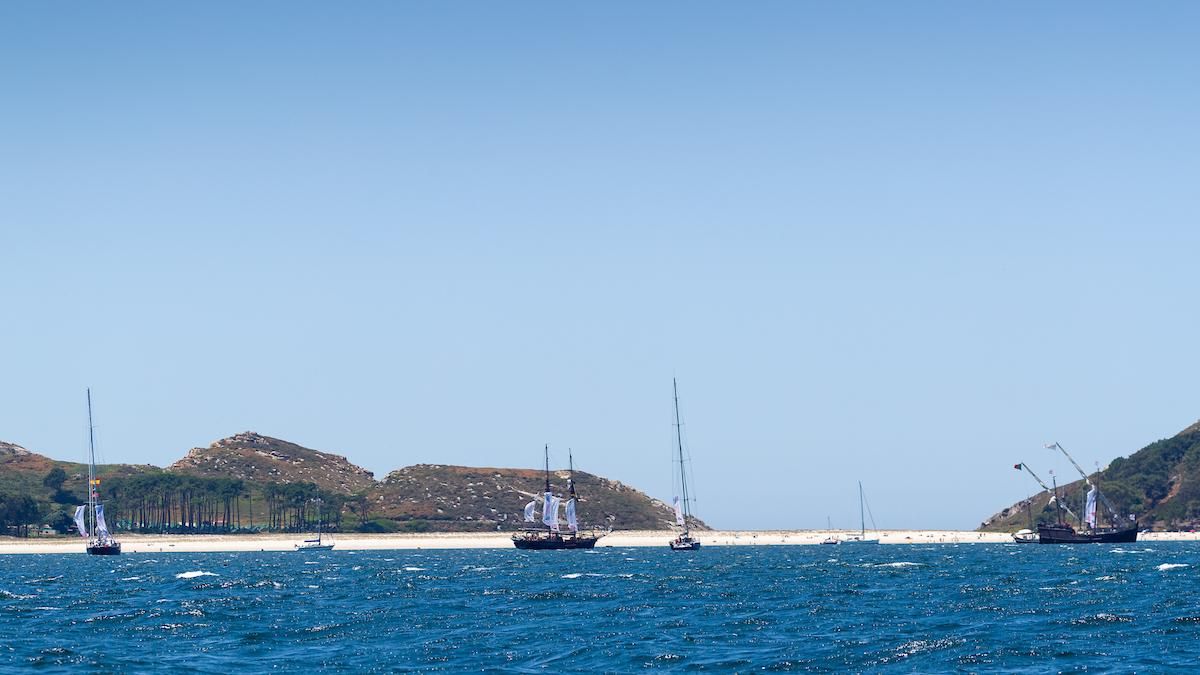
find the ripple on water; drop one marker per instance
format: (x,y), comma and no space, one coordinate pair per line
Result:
(926,609)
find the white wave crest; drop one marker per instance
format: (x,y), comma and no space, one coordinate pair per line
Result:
(575,575)
(1170,566)
(193,575)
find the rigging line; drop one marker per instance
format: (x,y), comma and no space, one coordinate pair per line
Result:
(869,514)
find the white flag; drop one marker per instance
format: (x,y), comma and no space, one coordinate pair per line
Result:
(529,511)
(678,513)
(79,524)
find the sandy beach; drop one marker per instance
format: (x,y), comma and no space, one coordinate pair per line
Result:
(355,542)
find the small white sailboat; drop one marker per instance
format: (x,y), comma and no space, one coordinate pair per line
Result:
(100,541)
(315,544)
(861,537)
(829,540)
(684,540)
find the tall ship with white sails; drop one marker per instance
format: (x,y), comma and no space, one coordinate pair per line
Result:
(549,535)
(99,540)
(683,541)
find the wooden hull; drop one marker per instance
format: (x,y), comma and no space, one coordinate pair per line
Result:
(553,542)
(1064,534)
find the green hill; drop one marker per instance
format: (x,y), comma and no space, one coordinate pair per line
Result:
(251,482)
(467,498)
(1160,484)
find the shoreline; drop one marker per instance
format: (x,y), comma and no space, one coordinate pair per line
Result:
(217,543)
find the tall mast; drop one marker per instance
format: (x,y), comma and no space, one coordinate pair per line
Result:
(1054,480)
(570,473)
(547,467)
(687,512)
(91,463)
(1087,481)
(1023,465)
(862,519)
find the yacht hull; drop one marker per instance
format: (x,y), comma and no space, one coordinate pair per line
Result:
(104,549)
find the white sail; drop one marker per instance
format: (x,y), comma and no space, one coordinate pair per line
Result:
(529,508)
(79,524)
(678,513)
(571,522)
(554,506)
(548,515)
(1089,512)
(101,526)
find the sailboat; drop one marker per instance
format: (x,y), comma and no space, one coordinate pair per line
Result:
(684,541)
(315,544)
(549,536)
(861,537)
(99,540)
(1090,531)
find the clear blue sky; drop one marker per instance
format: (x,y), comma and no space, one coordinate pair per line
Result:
(899,243)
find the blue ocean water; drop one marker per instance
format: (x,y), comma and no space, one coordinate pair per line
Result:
(905,608)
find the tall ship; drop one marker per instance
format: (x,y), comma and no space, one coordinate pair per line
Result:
(99,540)
(683,541)
(1090,531)
(549,535)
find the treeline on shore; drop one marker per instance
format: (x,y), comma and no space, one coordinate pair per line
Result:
(163,502)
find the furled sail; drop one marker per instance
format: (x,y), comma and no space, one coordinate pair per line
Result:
(1089,512)
(678,513)
(571,522)
(529,511)
(79,523)
(101,526)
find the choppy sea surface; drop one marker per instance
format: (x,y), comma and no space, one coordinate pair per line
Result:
(903,608)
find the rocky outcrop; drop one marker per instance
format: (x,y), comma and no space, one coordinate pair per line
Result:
(261,459)
(12,450)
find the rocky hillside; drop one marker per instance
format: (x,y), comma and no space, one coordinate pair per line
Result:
(1160,484)
(469,498)
(261,459)
(229,484)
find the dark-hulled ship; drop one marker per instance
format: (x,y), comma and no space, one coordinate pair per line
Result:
(1062,533)
(1090,531)
(548,536)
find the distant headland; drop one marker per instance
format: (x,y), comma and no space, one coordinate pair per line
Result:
(249,483)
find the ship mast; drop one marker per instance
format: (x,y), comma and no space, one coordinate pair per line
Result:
(570,473)
(547,467)
(1023,465)
(687,512)
(1112,513)
(862,519)
(91,464)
